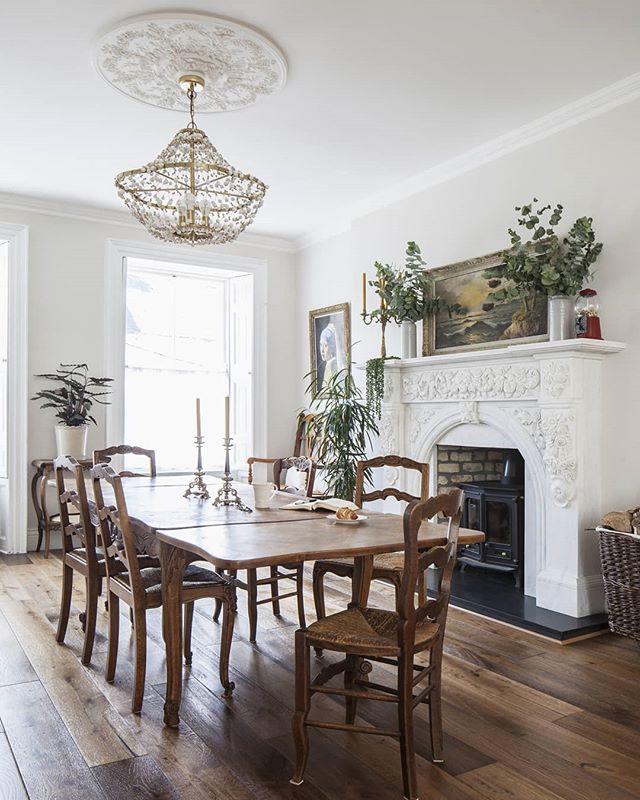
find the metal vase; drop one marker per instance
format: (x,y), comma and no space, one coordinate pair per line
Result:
(408,339)
(562,318)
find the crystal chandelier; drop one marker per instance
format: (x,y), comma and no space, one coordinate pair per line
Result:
(189,193)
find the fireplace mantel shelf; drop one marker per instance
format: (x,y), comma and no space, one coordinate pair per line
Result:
(580,347)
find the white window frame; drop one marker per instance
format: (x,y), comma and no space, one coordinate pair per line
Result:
(14,540)
(117,251)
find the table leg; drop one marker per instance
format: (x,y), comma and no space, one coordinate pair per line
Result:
(38,475)
(172,562)
(362,572)
(47,522)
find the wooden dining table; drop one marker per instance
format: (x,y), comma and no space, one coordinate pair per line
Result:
(182,530)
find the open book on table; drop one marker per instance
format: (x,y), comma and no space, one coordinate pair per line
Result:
(323,503)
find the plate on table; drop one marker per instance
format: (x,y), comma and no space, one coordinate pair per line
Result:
(333,518)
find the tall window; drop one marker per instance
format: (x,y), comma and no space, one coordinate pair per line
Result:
(4,332)
(189,334)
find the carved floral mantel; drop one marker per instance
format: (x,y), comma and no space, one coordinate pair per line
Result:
(543,399)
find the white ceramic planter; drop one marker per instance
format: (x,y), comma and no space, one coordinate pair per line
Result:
(408,339)
(562,318)
(71,440)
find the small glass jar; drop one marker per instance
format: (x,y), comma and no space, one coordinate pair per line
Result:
(587,317)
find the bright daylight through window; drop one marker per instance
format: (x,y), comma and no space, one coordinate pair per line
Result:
(4,331)
(189,333)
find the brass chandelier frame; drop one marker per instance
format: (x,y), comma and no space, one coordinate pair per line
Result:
(195,211)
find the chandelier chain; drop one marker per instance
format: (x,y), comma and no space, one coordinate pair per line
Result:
(191,94)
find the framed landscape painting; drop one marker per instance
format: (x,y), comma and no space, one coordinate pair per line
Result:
(484,322)
(329,342)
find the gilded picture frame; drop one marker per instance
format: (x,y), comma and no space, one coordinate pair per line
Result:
(329,342)
(484,323)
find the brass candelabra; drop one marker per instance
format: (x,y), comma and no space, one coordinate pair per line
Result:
(227,495)
(380,314)
(197,487)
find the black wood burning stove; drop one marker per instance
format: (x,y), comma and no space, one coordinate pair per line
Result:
(497,508)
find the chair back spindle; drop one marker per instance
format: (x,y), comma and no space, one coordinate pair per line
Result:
(443,557)
(71,501)
(115,527)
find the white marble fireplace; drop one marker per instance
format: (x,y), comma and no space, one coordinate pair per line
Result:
(543,399)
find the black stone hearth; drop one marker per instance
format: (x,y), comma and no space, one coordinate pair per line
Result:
(494,595)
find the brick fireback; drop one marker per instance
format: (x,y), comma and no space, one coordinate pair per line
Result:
(464,464)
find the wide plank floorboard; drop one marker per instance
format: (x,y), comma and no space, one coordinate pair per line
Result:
(49,761)
(524,718)
(11,785)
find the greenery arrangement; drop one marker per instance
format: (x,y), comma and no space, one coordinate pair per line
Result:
(405,295)
(411,290)
(341,428)
(374,384)
(545,263)
(75,396)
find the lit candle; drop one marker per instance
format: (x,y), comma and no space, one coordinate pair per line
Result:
(364,292)
(226,417)
(198,425)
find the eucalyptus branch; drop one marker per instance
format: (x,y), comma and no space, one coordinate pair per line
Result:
(545,263)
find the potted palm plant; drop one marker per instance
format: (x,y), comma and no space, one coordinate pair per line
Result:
(72,399)
(341,429)
(549,265)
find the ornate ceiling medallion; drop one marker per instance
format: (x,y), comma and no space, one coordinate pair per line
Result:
(144,58)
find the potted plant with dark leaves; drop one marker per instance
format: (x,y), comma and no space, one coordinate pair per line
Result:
(72,400)
(550,265)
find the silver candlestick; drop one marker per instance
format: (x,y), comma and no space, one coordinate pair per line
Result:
(227,495)
(197,487)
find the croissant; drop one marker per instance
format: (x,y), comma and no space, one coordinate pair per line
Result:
(346,513)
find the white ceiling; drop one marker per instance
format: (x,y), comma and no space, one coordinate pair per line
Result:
(378,90)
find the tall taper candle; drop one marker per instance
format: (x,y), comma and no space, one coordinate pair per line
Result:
(226,417)
(198,425)
(364,292)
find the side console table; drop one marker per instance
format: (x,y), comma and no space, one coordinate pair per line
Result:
(46,522)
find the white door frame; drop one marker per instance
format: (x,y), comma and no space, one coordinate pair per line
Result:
(117,250)
(15,538)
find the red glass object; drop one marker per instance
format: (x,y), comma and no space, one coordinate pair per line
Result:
(587,319)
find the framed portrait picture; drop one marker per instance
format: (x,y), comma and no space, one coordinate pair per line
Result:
(329,342)
(484,322)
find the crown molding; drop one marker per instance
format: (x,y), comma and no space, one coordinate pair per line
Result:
(587,107)
(62,208)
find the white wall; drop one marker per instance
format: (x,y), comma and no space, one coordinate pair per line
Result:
(592,169)
(66,284)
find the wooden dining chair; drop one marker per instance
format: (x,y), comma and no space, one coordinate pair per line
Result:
(392,638)
(302,445)
(283,572)
(140,588)
(105,455)
(385,567)
(79,551)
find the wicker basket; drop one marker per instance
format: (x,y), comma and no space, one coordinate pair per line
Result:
(620,556)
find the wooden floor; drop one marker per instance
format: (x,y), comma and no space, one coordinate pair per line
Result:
(525,719)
